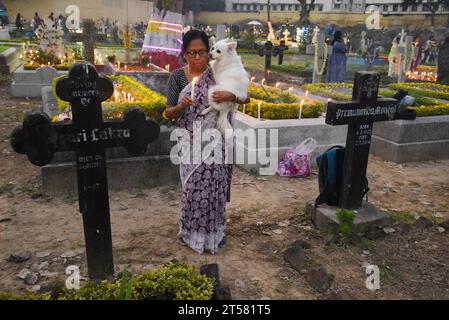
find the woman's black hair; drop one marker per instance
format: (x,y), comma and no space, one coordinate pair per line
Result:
(194,35)
(338,36)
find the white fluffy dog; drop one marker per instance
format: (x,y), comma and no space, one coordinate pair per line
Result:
(230,75)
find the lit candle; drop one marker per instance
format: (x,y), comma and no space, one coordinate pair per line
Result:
(126,67)
(119,65)
(193,88)
(258,110)
(263,80)
(300,109)
(290,90)
(277,85)
(253,78)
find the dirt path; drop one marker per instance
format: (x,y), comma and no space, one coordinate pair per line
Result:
(145,223)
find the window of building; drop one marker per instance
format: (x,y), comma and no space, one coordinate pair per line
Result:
(282,7)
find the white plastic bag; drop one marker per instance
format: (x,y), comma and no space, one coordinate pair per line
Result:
(307,147)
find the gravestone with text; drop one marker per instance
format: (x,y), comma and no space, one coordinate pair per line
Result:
(87,136)
(359,115)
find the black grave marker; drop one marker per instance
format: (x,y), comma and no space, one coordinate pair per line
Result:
(87,136)
(88,38)
(360,114)
(267,51)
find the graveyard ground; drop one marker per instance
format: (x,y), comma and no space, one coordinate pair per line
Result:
(413,263)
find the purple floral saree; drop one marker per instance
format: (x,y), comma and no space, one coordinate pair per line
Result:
(206,183)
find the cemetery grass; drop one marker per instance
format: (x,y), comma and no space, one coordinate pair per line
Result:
(255,65)
(413,264)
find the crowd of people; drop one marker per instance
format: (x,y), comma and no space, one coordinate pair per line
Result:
(22,24)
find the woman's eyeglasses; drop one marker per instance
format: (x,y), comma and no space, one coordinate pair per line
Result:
(193,54)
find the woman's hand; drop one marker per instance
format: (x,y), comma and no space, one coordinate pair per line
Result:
(223,96)
(186,101)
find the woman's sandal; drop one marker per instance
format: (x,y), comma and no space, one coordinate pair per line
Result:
(182,242)
(223,243)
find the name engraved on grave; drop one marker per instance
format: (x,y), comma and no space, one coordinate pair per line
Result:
(97,135)
(388,111)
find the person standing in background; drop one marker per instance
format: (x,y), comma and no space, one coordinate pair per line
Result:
(19,22)
(427,50)
(336,68)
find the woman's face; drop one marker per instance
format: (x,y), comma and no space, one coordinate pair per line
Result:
(197,55)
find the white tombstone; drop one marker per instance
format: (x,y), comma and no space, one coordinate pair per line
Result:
(221,32)
(363,45)
(4,34)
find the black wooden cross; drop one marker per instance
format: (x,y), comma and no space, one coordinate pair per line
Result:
(267,51)
(88,38)
(360,115)
(87,136)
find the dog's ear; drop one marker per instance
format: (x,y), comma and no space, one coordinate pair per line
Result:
(232,46)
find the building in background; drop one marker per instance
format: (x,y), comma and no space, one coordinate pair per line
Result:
(135,11)
(386,6)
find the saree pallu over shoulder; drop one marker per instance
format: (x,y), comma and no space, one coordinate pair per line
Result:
(205,183)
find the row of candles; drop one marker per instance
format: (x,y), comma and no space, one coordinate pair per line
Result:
(123,96)
(277,86)
(424,76)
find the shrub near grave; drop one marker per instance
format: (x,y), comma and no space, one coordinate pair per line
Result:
(277,104)
(425,105)
(174,281)
(152,103)
(339,91)
(423,89)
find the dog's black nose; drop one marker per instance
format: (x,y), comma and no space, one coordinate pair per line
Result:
(210,55)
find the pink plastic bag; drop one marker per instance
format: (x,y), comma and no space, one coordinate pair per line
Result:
(297,161)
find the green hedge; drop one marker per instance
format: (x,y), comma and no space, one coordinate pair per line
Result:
(327,90)
(270,94)
(277,104)
(423,89)
(174,281)
(280,111)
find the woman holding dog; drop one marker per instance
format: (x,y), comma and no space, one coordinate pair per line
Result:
(205,187)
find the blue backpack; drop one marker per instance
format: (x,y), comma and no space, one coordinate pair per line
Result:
(330,165)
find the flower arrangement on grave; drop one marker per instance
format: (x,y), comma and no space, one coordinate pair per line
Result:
(128,93)
(276,104)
